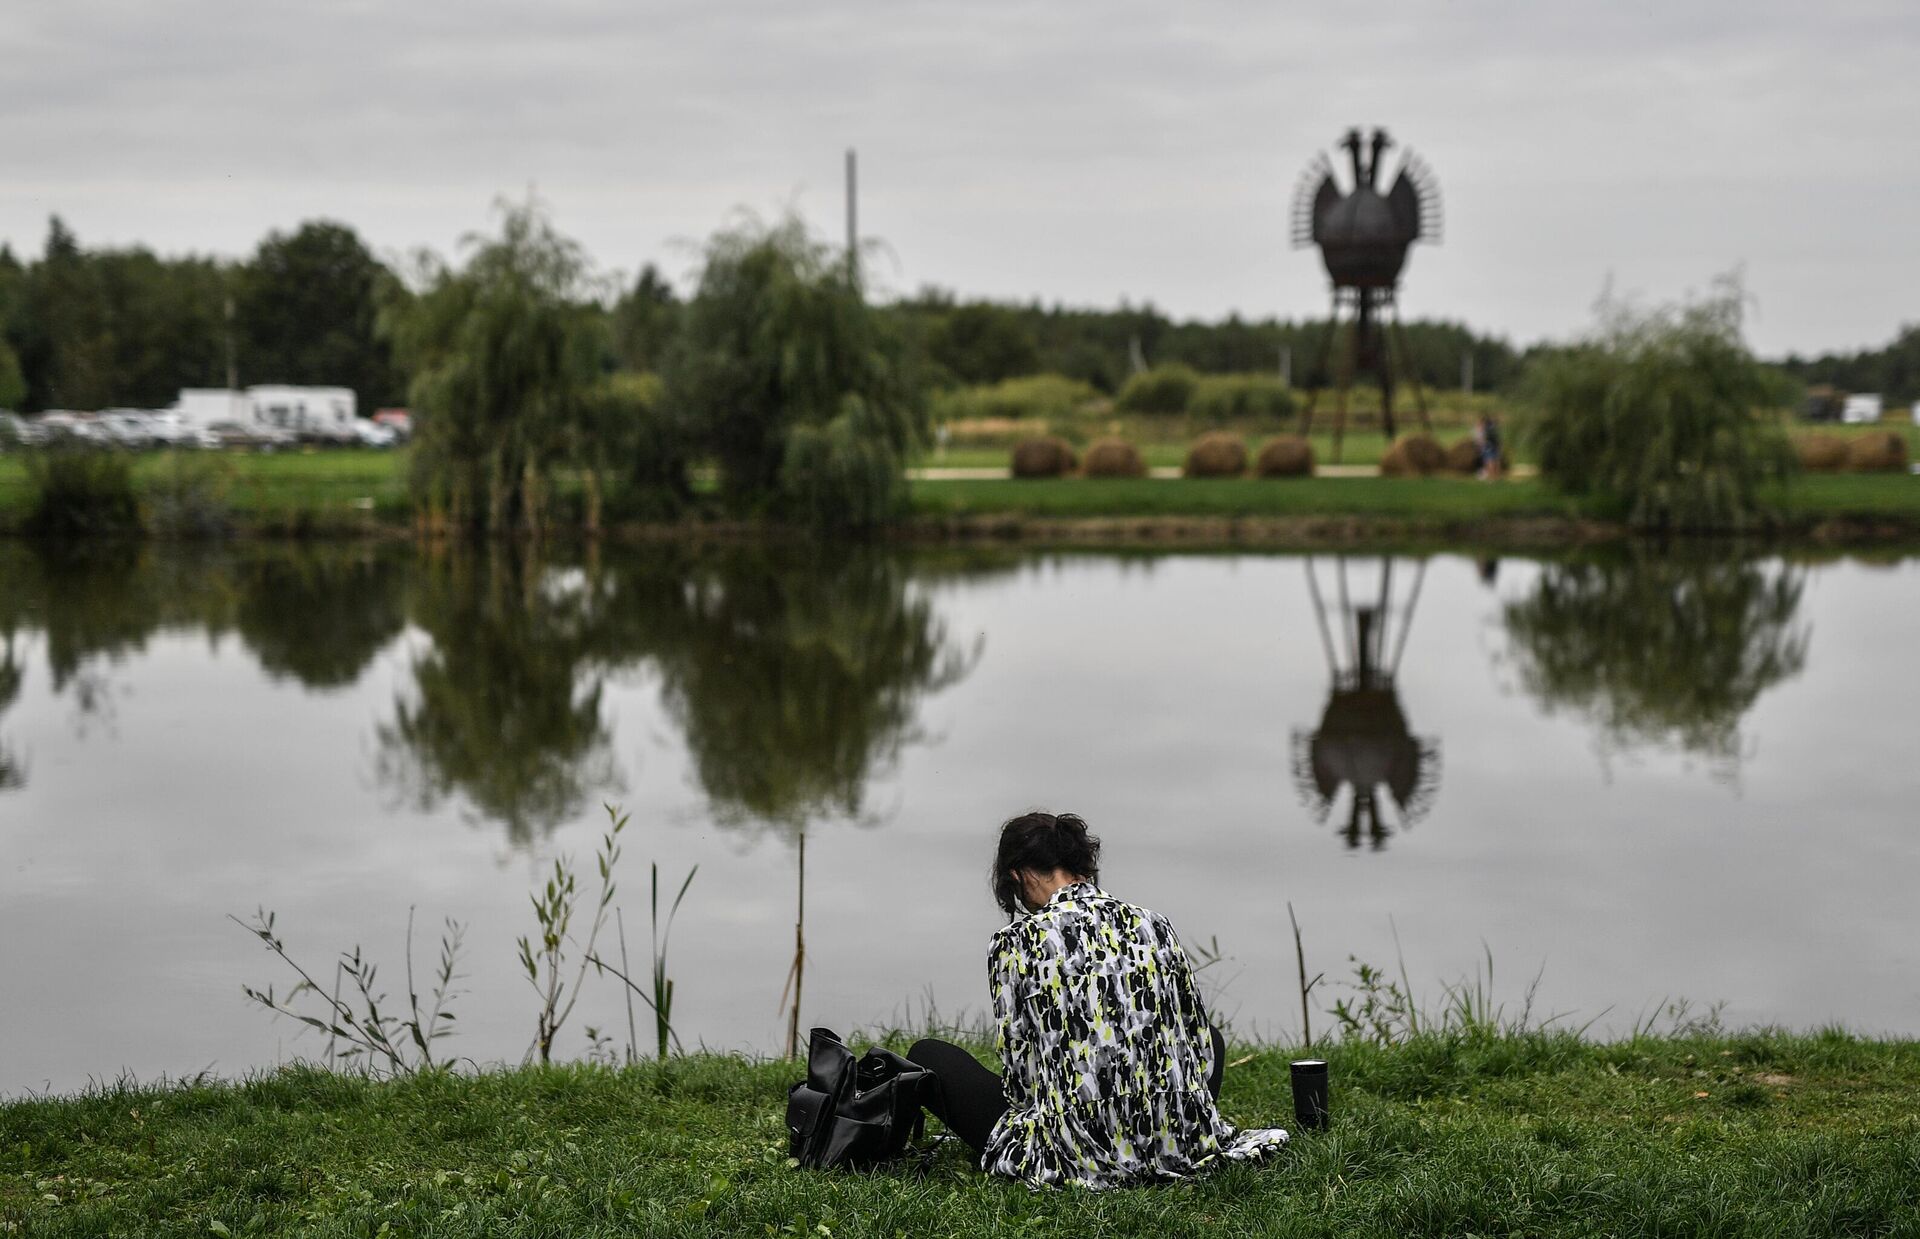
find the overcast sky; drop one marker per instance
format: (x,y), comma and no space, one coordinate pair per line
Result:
(1070,152)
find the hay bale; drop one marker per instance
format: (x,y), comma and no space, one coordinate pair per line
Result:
(1216,455)
(1463,456)
(1288,456)
(1114,458)
(1820,453)
(1048,456)
(1883,451)
(1414,455)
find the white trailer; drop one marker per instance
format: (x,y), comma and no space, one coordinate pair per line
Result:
(1861,408)
(326,412)
(204,407)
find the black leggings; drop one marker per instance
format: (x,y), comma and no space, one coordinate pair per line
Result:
(970,1099)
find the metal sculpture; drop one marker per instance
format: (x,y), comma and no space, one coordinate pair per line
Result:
(1363,235)
(1364,743)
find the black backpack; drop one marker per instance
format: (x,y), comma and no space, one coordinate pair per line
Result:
(852,1113)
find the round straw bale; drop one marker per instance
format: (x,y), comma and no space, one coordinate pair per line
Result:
(1820,453)
(1216,455)
(1114,458)
(1288,456)
(1883,451)
(1463,456)
(1048,456)
(1414,455)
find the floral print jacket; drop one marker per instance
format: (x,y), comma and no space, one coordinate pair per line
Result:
(1106,1049)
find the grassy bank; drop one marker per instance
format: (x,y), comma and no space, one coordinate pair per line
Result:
(354,493)
(1535,1134)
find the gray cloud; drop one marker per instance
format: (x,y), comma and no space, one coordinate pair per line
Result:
(1068,152)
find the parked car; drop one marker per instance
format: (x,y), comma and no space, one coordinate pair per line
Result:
(373,434)
(64,424)
(16,431)
(129,428)
(249,438)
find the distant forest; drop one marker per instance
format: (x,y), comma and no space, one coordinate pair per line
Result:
(97,328)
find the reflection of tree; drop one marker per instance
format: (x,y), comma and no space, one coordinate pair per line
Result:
(797,676)
(500,712)
(1363,743)
(1659,651)
(13,773)
(319,617)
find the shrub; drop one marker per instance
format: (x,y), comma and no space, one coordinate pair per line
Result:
(1216,455)
(1288,456)
(1114,458)
(1163,389)
(1820,453)
(1883,451)
(81,492)
(1220,398)
(188,499)
(1048,456)
(1039,397)
(1413,455)
(1660,412)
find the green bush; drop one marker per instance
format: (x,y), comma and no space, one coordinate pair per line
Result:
(1042,397)
(1221,398)
(81,492)
(1163,389)
(1661,411)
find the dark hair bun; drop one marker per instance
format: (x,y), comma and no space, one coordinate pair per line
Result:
(1042,843)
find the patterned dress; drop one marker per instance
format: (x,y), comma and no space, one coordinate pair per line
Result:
(1106,1050)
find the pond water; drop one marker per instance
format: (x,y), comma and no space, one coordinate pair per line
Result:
(1635,776)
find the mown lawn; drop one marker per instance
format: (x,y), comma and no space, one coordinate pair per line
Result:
(1448,1135)
(346,491)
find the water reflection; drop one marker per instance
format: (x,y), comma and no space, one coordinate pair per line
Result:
(321,618)
(1660,649)
(13,671)
(505,703)
(1364,744)
(796,675)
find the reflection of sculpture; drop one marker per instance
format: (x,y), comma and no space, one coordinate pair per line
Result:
(1658,649)
(1363,742)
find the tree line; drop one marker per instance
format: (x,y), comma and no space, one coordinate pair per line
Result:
(89,328)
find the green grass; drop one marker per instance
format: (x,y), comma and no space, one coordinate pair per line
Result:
(1448,1135)
(356,491)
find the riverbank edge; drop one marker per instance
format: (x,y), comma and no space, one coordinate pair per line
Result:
(1323,532)
(1446,1133)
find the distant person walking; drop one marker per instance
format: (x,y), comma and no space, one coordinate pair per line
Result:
(1486,439)
(1112,1068)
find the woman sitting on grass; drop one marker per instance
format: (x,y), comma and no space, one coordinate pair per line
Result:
(1112,1069)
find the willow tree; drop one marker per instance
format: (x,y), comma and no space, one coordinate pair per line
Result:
(503,353)
(802,394)
(1664,413)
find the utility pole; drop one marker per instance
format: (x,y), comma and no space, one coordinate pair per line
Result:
(233,369)
(853,219)
(1466,372)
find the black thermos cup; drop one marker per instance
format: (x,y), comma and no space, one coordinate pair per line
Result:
(1310,1093)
